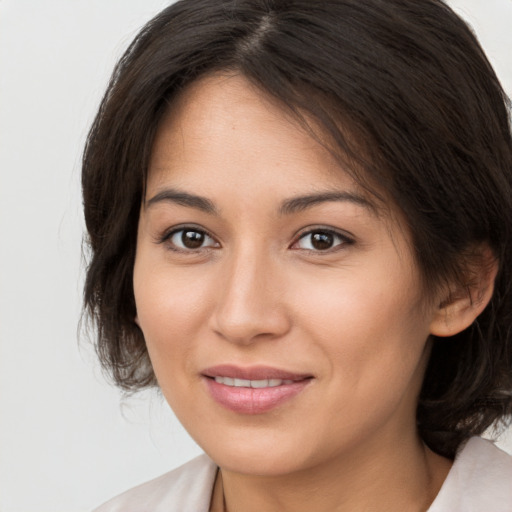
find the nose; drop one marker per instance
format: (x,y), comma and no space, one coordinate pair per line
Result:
(250,304)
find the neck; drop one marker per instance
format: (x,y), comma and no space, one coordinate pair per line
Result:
(403,475)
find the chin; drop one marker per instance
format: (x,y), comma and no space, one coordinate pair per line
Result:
(264,455)
(258,464)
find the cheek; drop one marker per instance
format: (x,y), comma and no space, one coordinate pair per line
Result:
(370,325)
(373,345)
(357,299)
(172,308)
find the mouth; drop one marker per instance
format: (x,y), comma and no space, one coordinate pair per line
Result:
(257,384)
(253,390)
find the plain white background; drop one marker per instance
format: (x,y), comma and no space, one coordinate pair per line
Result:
(67,441)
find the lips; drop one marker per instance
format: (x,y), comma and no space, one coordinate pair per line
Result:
(246,383)
(254,390)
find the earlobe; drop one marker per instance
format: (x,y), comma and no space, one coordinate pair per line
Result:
(460,307)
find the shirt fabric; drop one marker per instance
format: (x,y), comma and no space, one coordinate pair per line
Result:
(480,480)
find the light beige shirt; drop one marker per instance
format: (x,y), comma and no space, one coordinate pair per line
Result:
(480,480)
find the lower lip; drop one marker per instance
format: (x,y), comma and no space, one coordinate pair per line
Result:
(254,400)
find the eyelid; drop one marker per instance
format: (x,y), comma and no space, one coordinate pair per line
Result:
(170,232)
(347,239)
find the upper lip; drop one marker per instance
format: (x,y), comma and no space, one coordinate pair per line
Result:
(252,373)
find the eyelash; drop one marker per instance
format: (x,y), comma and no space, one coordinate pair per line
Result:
(167,239)
(342,239)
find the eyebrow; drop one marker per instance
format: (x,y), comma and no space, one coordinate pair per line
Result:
(184,199)
(288,207)
(298,204)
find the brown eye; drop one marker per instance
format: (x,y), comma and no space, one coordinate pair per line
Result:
(321,240)
(191,239)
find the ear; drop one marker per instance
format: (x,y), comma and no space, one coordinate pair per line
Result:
(460,305)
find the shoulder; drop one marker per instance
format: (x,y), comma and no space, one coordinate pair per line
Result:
(480,480)
(188,488)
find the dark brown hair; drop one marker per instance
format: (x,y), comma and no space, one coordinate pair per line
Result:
(409,82)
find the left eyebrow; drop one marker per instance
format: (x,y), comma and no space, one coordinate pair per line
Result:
(298,204)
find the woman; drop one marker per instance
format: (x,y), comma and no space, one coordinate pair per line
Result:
(300,218)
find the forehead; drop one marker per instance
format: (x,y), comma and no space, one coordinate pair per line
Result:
(224,127)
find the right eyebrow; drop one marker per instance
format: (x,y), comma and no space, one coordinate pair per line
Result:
(176,196)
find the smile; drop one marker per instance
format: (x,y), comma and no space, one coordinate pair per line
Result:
(258,384)
(255,390)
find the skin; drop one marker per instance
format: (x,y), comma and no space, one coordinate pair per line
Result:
(257,292)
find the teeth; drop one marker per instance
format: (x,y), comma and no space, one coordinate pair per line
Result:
(265,383)
(245,383)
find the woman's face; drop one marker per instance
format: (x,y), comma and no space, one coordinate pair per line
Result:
(282,312)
